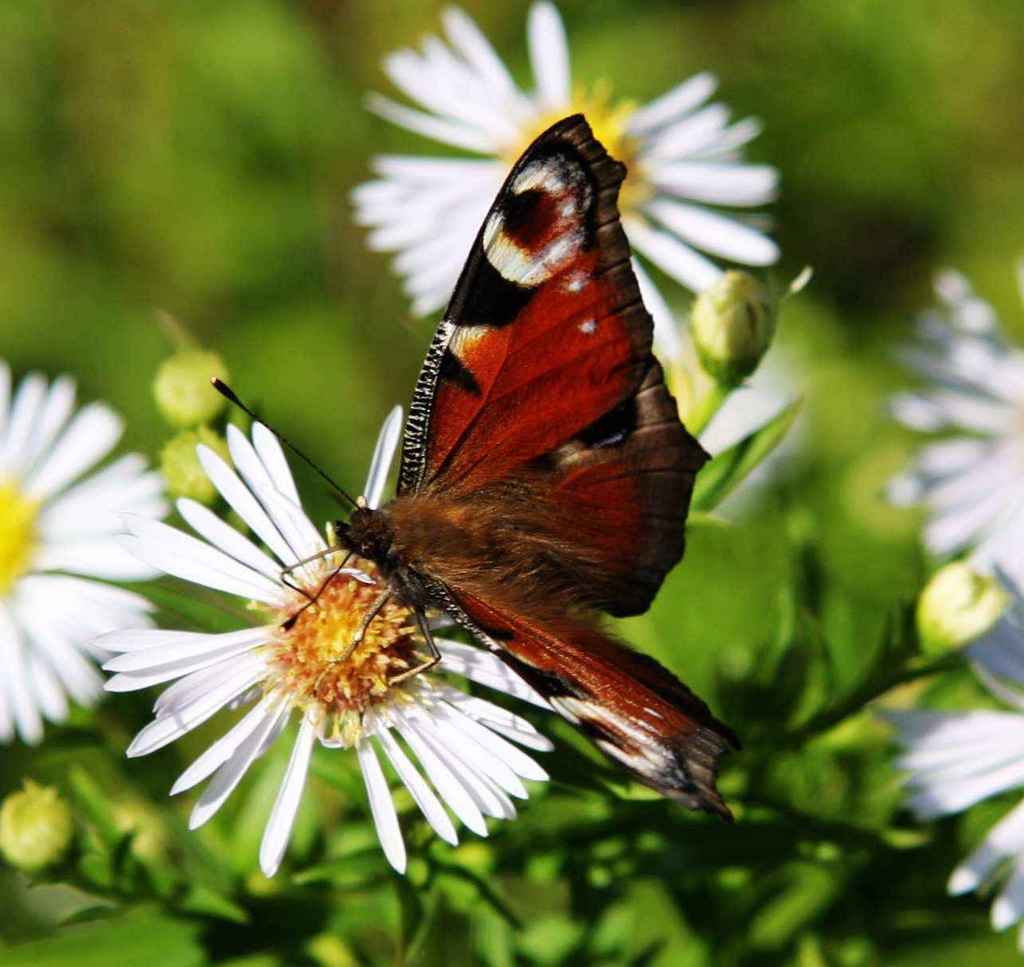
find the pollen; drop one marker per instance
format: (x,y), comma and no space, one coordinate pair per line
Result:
(17,534)
(609,120)
(335,655)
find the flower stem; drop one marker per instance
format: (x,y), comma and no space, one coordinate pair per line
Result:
(706,407)
(874,688)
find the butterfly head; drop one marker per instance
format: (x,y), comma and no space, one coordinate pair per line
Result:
(367,533)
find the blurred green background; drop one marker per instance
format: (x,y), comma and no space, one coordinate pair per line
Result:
(198,158)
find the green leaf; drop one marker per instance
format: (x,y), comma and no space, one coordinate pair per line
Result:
(727,470)
(140,938)
(201,899)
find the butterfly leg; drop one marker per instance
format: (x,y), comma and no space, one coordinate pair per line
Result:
(435,654)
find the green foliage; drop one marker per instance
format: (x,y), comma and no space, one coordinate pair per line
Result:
(197,158)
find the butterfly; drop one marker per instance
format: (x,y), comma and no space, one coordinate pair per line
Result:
(545,475)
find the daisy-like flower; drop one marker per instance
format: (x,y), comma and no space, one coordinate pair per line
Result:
(953,760)
(973,395)
(303,660)
(682,152)
(58,535)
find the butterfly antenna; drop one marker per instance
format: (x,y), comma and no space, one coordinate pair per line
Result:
(228,393)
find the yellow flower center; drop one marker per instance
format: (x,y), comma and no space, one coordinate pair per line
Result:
(17,534)
(609,120)
(329,655)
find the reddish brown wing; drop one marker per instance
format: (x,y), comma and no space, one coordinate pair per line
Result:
(636,711)
(543,365)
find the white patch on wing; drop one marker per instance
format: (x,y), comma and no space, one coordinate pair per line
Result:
(566,183)
(545,175)
(588,326)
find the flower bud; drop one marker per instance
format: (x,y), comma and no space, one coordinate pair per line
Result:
(733,322)
(180,466)
(182,387)
(36,827)
(957,606)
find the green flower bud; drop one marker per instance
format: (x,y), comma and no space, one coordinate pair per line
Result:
(182,387)
(733,323)
(179,463)
(36,827)
(957,606)
(149,835)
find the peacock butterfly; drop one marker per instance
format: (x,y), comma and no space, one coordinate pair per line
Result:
(545,475)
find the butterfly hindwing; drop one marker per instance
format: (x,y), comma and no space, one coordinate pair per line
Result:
(636,711)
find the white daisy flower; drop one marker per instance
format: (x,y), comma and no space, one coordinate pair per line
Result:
(974,395)
(58,534)
(683,155)
(956,759)
(299,658)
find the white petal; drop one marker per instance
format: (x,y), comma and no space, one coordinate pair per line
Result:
(187,646)
(88,438)
(418,788)
(715,233)
(383,454)
(1009,905)
(246,672)
(282,817)
(498,749)
(693,134)
(16,681)
(241,500)
(193,560)
(268,447)
(444,780)
(224,537)
(497,718)
(549,56)
(1005,839)
(385,819)
(230,772)
(288,517)
(717,184)
(467,38)
(48,691)
(105,558)
(667,339)
(671,255)
(679,100)
(50,419)
(488,796)
(480,666)
(448,132)
(222,750)
(18,443)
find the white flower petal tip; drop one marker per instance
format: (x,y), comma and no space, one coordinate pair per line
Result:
(61,521)
(1005,912)
(962,881)
(383,455)
(427,209)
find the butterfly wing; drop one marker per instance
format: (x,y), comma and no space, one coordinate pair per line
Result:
(543,365)
(637,712)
